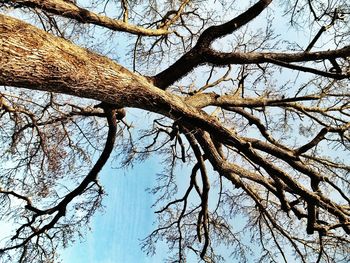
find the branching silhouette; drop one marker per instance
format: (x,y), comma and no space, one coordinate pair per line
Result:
(257,112)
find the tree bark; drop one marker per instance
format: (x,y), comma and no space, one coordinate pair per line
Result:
(70,10)
(34,59)
(31,58)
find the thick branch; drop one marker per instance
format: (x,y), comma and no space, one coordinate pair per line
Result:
(69,10)
(34,59)
(203,53)
(214,32)
(220,58)
(196,55)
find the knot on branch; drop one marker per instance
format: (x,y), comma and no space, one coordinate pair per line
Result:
(120,113)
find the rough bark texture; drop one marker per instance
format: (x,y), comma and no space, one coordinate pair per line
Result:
(33,59)
(70,10)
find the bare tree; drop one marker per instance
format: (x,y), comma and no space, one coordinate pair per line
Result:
(252,96)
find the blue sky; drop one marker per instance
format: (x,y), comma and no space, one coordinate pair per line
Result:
(128,217)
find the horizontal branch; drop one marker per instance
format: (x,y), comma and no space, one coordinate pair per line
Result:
(69,10)
(261,57)
(192,59)
(326,74)
(202,100)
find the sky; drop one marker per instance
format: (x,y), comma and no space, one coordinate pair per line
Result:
(128,217)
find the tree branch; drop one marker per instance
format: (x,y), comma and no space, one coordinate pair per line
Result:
(61,207)
(196,55)
(70,10)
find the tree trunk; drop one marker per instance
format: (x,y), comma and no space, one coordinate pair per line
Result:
(34,59)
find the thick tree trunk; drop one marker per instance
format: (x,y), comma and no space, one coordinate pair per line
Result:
(34,59)
(31,58)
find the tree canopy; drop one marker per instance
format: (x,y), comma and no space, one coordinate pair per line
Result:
(251,97)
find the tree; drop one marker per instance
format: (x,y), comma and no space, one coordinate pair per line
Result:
(260,116)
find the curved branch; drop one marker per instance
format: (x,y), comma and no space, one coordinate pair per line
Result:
(203,217)
(176,16)
(215,32)
(61,207)
(196,55)
(319,137)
